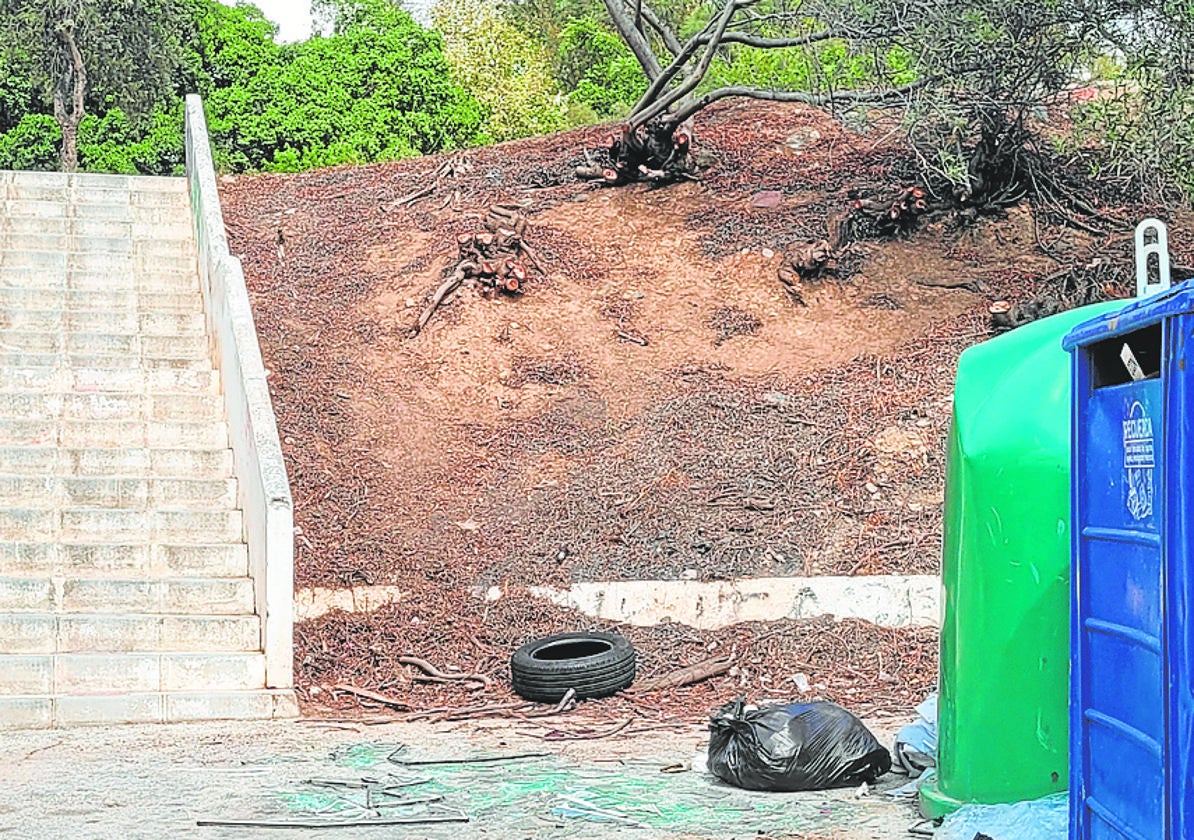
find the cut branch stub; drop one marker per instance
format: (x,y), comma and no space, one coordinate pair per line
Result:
(657,151)
(492,260)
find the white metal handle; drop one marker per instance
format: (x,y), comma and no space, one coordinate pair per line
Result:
(1145,250)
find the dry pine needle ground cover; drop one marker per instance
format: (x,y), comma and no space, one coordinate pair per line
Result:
(653,404)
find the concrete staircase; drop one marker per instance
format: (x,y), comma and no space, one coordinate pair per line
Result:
(125,593)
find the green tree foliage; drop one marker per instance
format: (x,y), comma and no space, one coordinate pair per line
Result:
(84,56)
(597,69)
(31,144)
(508,72)
(377,88)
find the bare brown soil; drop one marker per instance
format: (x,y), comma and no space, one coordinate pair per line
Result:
(522,441)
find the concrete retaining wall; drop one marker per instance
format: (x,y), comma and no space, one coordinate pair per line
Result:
(887,600)
(257,452)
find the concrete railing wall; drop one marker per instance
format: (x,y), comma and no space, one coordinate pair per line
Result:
(257,453)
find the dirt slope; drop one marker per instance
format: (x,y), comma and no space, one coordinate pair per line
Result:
(521,441)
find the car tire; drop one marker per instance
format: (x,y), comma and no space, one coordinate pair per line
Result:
(591,664)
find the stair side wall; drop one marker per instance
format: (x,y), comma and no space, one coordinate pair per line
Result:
(257,451)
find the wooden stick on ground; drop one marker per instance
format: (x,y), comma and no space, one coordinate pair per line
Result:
(442,292)
(429,669)
(687,676)
(415,196)
(372,695)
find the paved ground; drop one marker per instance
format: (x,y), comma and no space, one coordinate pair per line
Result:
(158,781)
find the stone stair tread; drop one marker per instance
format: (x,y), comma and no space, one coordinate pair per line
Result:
(151,596)
(105,405)
(118,461)
(80,433)
(200,494)
(41,379)
(43,711)
(105,344)
(115,632)
(113,321)
(89,674)
(119,525)
(142,560)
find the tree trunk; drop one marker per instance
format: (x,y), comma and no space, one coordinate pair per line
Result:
(74,80)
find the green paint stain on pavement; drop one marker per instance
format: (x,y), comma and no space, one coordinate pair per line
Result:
(547,791)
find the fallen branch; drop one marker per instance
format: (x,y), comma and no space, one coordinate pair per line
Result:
(947,283)
(415,196)
(561,735)
(372,695)
(445,818)
(429,669)
(687,676)
(567,702)
(481,759)
(442,292)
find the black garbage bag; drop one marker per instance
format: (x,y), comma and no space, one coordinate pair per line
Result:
(799,746)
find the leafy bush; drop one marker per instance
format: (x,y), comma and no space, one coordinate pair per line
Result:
(31,144)
(599,69)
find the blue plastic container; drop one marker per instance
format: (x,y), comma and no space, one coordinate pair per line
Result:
(1131,707)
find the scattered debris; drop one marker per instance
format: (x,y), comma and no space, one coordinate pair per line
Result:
(889,214)
(655,151)
(688,675)
(436,674)
(452,167)
(427,820)
(360,803)
(800,746)
(730,321)
(585,665)
(805,262)
(915,749)
(376,697)
(495,259)
(396,757)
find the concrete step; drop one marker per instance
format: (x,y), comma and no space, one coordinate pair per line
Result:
(106,344)
(23,207)
(92,360)
(45,633)
(100,299)
(45,188)
(116,462)
(195,408)
(156,596)
(155,434)
(53,225)
(123,279)
(165,264)
(42,711)
(140,560)
(119,493)
(116,525)
(117,321)
(47,260)
(89,434)
(108,380)
(81,674)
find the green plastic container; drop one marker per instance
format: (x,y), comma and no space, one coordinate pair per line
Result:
(1005,646)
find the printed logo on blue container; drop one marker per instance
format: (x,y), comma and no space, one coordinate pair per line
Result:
(1139,462)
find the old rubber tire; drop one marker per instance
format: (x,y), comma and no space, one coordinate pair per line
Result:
(592,664)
